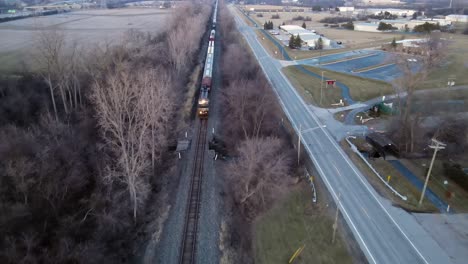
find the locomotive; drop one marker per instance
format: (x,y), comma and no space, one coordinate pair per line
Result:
(205,87)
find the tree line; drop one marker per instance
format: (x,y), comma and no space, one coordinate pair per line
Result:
(84,141)
(408,130)
(261,164)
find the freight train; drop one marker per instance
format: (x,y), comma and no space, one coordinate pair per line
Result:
(205,87)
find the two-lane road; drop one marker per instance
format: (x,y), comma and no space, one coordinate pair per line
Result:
(384,233)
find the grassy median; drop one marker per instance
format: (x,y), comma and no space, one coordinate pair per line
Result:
(293,223)
(361,89)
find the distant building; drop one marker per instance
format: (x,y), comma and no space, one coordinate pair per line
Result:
(308,36)
(346,8)
(393,11)
(367,27)
(457,18)
(378,2)
(399,24)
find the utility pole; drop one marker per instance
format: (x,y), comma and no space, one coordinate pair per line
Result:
(335,225)
(321,88)
(300,136)
(299,144)
(436,145)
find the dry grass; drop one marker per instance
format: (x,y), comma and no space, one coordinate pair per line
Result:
(457,67)
(295,222)
(361,89)
(309,88)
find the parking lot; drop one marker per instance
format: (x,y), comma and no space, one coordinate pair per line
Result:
(374,64)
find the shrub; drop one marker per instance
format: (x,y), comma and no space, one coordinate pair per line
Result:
(260,15)
(455,173)
(335,20)
(268,25)
(275,16)
(298,18)
(307,18)
(384,26)
(426,27)
(349,25)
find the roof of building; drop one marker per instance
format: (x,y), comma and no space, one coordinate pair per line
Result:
(366,24)
(458,16)
(380,139)
(290,27)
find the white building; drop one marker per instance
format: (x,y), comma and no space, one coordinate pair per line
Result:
(308,36)
(379,2)
(393,11)
(368,27)
(457,18)
(399,24)
(346,8)
(311,40)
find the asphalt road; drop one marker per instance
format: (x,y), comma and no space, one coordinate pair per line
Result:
(385,234)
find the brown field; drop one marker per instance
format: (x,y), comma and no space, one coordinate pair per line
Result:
(85,27)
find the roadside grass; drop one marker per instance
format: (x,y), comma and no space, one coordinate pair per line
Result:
(269,46)
(397,181)
(295,222)
(457,67)
(309,88)
(459,202)
(12,62)
(361,89)
(340,116)
(243,17)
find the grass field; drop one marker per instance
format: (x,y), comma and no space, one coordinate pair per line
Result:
(361,89)
(293,223)
(87,27)
(457,68)
(309,88)
(397,181)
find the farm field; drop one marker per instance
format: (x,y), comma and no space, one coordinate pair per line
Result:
(456,65)
(86,27)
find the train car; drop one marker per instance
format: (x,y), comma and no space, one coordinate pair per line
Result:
(203,103)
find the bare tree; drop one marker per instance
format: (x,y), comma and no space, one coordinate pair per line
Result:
(251,109)
(187,29)
(50,46)
(161,102)
(124,115)
(432,52)
(260,173)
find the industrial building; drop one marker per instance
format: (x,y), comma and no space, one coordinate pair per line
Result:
(399,24)
(457,18)
(308,37)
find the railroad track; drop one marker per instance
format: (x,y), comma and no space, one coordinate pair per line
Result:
(189,239)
